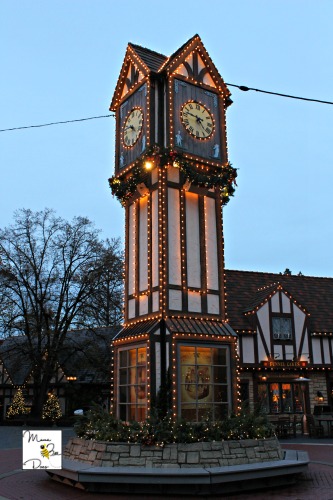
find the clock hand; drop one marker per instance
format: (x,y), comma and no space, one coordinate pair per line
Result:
(129,126)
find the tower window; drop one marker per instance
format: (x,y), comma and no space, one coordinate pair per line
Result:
(204,375)
(132,384)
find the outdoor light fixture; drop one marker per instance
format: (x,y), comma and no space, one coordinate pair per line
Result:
(320,396)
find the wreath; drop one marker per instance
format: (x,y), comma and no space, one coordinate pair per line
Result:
(123,187)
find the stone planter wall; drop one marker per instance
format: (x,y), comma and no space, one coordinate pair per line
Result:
(210,454)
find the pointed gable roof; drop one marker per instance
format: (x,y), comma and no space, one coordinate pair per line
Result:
(182,62)
(245,289)
(140,62)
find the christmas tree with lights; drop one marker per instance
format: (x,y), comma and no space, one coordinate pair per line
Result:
(51,409)
(18,405)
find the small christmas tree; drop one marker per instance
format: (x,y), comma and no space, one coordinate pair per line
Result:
(18,405)
(51,409)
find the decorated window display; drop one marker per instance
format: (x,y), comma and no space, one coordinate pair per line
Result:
(204,382)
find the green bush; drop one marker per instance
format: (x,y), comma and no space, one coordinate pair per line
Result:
(99,425)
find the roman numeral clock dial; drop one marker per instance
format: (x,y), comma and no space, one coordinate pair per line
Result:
(197,120)
(132,127)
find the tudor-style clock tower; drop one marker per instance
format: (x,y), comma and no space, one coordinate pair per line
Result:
(172,176)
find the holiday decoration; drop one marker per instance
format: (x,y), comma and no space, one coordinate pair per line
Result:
(18,405)
(51,409)
(123,187)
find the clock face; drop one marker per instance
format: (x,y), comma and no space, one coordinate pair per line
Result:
(132,127)
(197,120)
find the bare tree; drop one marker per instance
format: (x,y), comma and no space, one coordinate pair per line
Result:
(50,271)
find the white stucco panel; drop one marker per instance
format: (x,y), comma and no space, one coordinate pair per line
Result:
(173,174)
(299,318)
(131,249)
(193,241)
(154,238)
(285,303)
(275,303)
(175,300)
(263,317)
(213,304)
(143,245)
(316,351)
(248,349)
(194,302)
(326,347)
(143,305)
(211,245)
(174,249)
(156,298)
(131,308)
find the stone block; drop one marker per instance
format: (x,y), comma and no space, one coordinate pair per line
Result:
(136,462)
(135,450)
(192,457)
(181,457)
(166,454)
(100,447)
(118,448)
(204,455)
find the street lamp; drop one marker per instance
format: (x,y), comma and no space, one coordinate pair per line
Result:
(303,381)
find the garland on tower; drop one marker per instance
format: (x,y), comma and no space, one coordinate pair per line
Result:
(123,187)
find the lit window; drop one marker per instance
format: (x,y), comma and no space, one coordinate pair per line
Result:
(204,382)
(281,328)
(132,384)
(280,397)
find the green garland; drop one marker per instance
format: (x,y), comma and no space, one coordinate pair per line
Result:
(123,187)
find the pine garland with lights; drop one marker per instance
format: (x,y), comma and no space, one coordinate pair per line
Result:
(124,186)
(51,408)
(99,425)
(18,405)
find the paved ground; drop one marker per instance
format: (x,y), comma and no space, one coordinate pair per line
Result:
(18,484)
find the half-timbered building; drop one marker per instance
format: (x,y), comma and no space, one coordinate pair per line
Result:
(284,324)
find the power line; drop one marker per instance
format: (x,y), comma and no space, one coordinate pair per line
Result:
(245,89)
(56,123)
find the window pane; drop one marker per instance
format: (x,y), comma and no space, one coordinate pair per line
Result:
(220,356)
(123,358)
(204,411)
(132,357)
(189,413)
(287,400)
(220,374)
(142,356)
(220,393)
(204,356)
(275,398)
(123,394)
(123,376)
(132,375)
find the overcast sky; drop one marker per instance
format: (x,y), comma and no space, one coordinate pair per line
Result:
(60,60)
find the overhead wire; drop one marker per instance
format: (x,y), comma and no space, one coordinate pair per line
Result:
(244,88)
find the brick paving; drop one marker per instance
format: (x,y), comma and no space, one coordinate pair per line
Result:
(18,484)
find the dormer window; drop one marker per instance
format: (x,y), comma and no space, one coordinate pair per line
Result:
(282,328)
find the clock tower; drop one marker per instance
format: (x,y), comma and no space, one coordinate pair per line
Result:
(173,178)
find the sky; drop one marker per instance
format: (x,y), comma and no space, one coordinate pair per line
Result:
(60,60)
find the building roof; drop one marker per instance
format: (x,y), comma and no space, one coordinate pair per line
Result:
(152,59)
(246,289)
